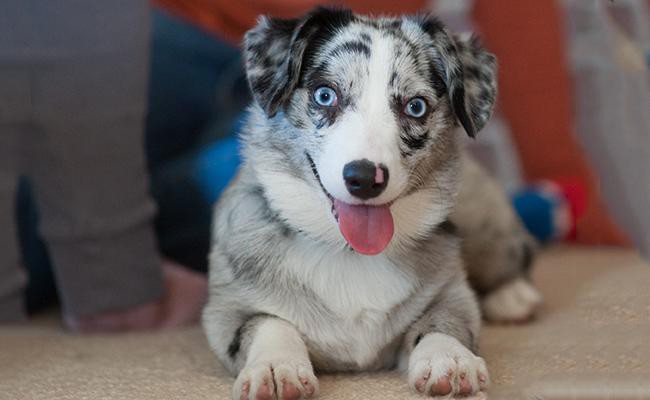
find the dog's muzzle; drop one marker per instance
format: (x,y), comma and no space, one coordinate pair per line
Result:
(367,229)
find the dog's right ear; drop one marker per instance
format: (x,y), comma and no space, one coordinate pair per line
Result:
(274,51)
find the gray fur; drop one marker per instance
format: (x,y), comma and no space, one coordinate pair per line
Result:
(496,246)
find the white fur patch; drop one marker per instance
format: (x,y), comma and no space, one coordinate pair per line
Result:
(301,205)
(347,282)
(515,301)
(277,357)
(359,290)
(275,340)
(441,357)
(416,215)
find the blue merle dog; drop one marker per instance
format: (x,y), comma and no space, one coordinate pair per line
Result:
(357,235)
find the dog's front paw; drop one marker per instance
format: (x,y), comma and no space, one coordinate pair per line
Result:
(440,365)
(515,301)
(282,380)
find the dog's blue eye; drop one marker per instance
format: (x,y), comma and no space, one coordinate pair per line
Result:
(416,108)
(325,96)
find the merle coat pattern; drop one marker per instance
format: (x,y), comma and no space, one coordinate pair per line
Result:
(287,293)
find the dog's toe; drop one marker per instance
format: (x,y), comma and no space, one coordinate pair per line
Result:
(254,383)
(244,390)
(464,386)
(290,391)
(309,386)
(446,368)
(282,380)
(442,386)
(264,392)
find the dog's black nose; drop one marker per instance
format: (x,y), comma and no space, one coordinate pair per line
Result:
(364,179)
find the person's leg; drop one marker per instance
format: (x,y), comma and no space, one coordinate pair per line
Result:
(40,292)
(197,90)
(14,112)
(86,152)
(12,277)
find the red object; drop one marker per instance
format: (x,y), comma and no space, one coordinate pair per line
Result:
(575,192)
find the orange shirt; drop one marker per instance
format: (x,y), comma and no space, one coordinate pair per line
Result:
(230,19)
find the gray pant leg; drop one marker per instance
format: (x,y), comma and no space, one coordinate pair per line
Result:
(12,276)
(14,107)
(88,62)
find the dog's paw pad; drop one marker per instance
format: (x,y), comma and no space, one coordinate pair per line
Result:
(282,380)
(515,301)
(442,386)
(264,392)
(421,383)
(441,366)
(290,391)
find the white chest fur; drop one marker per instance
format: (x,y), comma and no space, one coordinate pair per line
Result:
(349,284)
(359,290)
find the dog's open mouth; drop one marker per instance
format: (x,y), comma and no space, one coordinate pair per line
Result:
(368,229)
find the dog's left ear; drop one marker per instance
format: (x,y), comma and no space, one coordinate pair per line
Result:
(469,73)
(274,51)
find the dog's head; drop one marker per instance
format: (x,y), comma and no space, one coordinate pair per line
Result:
(363,112)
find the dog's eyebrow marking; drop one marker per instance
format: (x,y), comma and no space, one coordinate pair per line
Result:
(393,77)
(355,46)
(391,24)
(366,38)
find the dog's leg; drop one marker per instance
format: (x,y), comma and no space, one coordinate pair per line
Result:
(497,249)
(437,349)
(268,355)
(277,363)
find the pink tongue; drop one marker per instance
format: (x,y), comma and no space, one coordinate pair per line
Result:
(367,229)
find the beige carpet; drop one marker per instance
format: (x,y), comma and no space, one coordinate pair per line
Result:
(591,341)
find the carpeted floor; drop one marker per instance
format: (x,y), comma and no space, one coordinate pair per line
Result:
(591,341)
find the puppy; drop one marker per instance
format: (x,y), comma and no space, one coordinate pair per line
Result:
(337,247)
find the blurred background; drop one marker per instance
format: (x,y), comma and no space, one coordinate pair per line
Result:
(570,140)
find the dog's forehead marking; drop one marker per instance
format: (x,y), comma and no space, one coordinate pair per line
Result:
(374,98)
(352,40)
(346,58)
